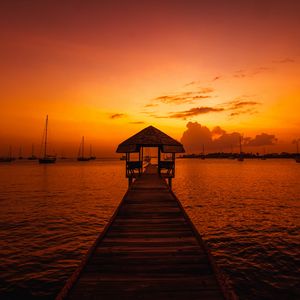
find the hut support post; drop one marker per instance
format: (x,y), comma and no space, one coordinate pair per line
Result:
(140,167)
(173,159)
(142,149)
(158,160)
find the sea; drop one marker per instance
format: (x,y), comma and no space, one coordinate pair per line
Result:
(246,212)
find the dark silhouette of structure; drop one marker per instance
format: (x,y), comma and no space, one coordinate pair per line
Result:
(150,137)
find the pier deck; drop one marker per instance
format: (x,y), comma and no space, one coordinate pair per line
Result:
(149,250)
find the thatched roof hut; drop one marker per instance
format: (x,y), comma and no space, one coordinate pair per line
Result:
(150,137)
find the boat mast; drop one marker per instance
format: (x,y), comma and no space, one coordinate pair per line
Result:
(10,152)
(82,151)
(240,145)
(46,136)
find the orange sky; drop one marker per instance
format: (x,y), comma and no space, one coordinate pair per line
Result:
(106,69)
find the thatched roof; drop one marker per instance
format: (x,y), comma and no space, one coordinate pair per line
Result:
(150,137)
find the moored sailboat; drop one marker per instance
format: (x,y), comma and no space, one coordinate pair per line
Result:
(241,156)
(32,157)
(46,159)
(297,158)
(81,152)
(92,156)
(9,157)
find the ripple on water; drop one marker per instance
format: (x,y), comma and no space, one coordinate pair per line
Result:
(247,213)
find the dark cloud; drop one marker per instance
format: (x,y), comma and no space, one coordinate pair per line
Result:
(151,105)
(137,122)
(191,83)
(284,61)
(117,116)
(243,112)
(185,97)
(195,112)
(262,139)
(251,73)
(218,139)
(239,74)
(218,131)
(241,105)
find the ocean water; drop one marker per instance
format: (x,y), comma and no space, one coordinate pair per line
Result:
(248,214)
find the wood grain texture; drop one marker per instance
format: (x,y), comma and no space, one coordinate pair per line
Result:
(148,251)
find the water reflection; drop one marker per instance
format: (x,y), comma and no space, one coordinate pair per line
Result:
(248,214)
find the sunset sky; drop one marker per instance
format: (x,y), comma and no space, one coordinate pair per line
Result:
(107,69)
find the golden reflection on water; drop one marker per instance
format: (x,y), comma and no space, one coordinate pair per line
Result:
(247,212)
(249,215)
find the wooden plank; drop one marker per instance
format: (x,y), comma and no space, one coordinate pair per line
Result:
(149,250)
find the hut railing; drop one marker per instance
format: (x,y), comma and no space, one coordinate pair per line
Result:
(133,168)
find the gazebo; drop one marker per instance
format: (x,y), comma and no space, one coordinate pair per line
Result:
(150,137)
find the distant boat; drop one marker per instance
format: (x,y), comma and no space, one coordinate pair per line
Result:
(20,153)
(81,152)
(32,157)
(47,159)
(123,157)
(202,156)
(92,157)
(9,157)
(241,156)
(297,158)
(263,157)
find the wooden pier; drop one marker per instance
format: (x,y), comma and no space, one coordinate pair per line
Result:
(150,249)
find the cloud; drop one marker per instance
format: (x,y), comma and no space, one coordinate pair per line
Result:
(117,116)
(217,131)
(241,105)
(243,112)
(250,73)
(262,139)
(191,83)
(137,122)
(238,104)
(217,78)
(284,61)
(151,105)
(195,112)
(218,139)
(185,97)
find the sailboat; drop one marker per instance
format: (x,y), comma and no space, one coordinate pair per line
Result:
(241,156)
(47,159)
(92,157)
(81,152)
(263,157)
(20,153)
(9,158)
(202,156)
(32,157)
(297,158)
